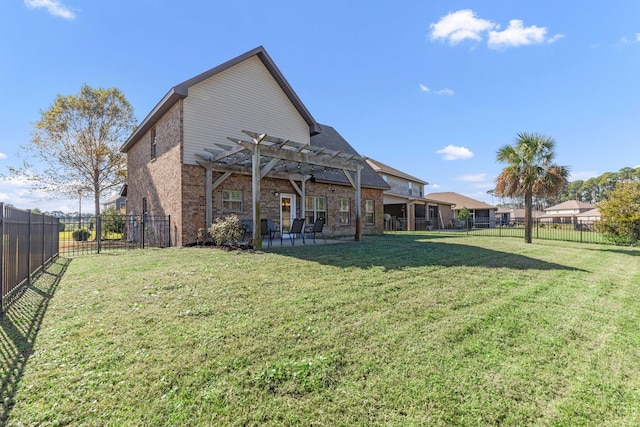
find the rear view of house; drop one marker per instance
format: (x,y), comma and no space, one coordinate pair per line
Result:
(238,140)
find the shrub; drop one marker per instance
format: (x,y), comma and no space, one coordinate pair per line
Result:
(61,226)
(113,222)
(226,231)
(80,235)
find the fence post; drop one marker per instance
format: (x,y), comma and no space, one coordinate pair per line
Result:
(29,250)
(99,232)
(169,228)
(144,224)
(44,232)
(580,224)
(1,257)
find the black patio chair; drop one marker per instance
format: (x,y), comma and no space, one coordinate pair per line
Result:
(297,230)
(247,224)
(316,228)
(267,230)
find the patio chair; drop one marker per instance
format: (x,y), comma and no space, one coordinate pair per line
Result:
(316,228)
(266,230)
(247,224)
(297,229)
(274,230)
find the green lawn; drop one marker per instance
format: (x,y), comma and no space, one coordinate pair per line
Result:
(400,329)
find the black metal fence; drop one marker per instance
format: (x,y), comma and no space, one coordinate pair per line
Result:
(29,243)
(96,234)
(576,230)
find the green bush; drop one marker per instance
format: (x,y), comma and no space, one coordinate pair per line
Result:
(80,235)
(61,226)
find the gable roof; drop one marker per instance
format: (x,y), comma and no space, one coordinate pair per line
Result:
(590,213)
(460,201)
(381,168)
(571,204)
(330,139)
(181,91)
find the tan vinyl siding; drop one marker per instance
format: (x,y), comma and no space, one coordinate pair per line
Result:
(243,97)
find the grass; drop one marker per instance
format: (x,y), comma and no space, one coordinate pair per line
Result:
(419,329)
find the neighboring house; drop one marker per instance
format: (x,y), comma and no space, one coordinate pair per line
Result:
(590,215)
(566,212)
(117,202)
(517,215)
(236,139)
(484,214)
(405,207)
(503,216)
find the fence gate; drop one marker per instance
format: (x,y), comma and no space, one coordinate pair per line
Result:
(96,234)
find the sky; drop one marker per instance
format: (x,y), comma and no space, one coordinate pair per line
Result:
(432,88)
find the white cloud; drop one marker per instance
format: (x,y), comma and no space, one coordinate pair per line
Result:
(471,177)
(519,35)
(3,156)
(464,24)
(445,91)
(434,186)
(626,40)
(54,7)
(555,38)
(452,152)
(460,25)
(19,193)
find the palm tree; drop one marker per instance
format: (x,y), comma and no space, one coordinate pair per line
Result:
(530,171)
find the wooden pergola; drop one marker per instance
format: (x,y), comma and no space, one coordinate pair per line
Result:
(267,156)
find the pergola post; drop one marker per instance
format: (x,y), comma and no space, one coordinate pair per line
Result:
(208,188)
(358,205)
(303,195)
(255,193)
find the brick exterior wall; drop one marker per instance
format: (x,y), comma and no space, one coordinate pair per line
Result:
(270,203)
(158,180)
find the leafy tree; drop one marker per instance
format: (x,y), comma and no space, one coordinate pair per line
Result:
(78,139)
(620,212)
(530,171)
(465,215)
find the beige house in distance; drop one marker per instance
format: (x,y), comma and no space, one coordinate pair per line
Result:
(405,206)
(568,212)
(484,214)
(236,139)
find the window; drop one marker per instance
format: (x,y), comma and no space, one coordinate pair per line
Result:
(315,207)
(345,212)
(411,188)
(153,143)
(232,201)
(369,217)
(384,177)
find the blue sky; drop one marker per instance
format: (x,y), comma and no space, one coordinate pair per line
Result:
(430,88)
